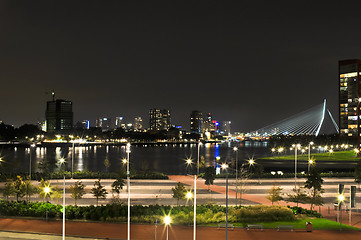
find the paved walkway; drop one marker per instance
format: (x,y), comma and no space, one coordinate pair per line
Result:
(148,232)
(326,212)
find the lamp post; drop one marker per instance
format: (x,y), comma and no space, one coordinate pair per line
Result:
(340,198)
(296,147)
(62,161)
(199,145)
(224,167)
(72,160)
(236,151)
(195,208)
(31,146)
(128,188)
(46,191)
(167,221)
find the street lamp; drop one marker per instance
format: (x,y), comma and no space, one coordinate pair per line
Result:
(296,146)
(236,151)
(62,161)
(225,167)
(309,152)
(128,188)
(310,162)
(189,163)
(47,192)
(31,146)
(167,221)
(199,145)
(340,198)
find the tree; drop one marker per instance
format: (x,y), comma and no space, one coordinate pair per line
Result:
(77,191)
(298,196)
(275,194)
(209,176)
(179,192)
(118,184)
(8,190)
(29,188)
(18,188)
(314,184)
(99,191)
(243,176)
(357,173)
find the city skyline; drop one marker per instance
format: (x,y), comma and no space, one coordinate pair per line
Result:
(253,64)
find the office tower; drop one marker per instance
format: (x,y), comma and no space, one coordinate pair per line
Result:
(104,123)
(85,124)
(196,121)
(350,98)
(138,123)
(226,127)
(59,115)
(209,124)
(118,122)
(159,119)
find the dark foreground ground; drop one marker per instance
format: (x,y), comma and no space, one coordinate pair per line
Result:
(118,231)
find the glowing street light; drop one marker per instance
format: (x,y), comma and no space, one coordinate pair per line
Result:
(296,146)
(235,149)
(310,162)
(128,188)
(225,167)
(46,191)
(280,150)
(340,198)
(251,162)
(189,195)
(62,161)
(167,221)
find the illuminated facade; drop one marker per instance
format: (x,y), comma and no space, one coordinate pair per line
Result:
(196,122)
(138,123)
(226,127)
(159,119)
(104,123)
(350,97)
(59,116)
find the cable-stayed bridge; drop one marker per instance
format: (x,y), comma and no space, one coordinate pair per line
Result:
(308,122)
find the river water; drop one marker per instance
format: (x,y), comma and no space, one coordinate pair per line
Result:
(168,159)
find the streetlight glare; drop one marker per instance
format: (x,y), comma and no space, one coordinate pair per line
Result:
(167,220)
(189,195)
(224,165)
(61,160)
(124,160)
(47,190)
(189,161)
(251,162)
(235,149)
(341,198)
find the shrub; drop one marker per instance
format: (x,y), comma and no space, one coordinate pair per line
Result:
(263,213)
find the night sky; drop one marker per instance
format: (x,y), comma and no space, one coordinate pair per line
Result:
(252,64)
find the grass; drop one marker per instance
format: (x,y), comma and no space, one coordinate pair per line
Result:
(335,156)
(317,224)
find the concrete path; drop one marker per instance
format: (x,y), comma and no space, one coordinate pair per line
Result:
(149,232)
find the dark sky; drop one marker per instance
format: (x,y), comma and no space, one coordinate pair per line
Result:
(253,64)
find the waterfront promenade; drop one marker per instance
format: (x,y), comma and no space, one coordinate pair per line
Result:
(159,192)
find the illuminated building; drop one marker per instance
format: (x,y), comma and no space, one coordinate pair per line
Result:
(104,123)
(85,124)
(118,122)
(138,123)
(159,119)
(196,122)
(349,97)
(59,115)
(209,124)
(226,127)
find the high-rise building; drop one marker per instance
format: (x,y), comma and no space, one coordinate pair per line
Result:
(196,121)
(85,124)
(226,127)
(350,98)
(59,115)
(138,123)
(209,124)
(118,122)
(104,123)
(159,119)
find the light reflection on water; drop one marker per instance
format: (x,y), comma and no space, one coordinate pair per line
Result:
(169,158)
